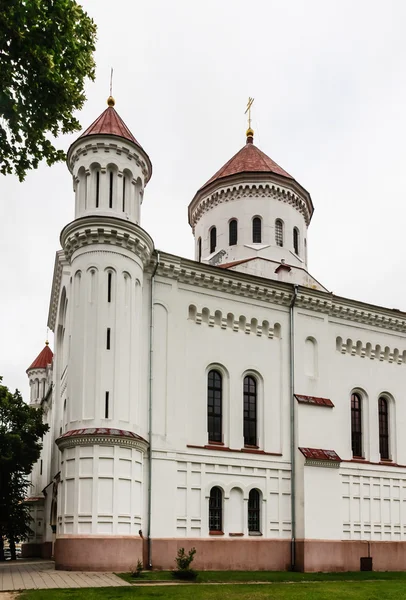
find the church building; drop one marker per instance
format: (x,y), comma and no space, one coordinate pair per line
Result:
(229,403)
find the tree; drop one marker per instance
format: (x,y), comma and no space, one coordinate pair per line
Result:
(46,54)
(21,432)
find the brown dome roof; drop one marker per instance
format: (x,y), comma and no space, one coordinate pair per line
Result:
(43,359)
(110,123)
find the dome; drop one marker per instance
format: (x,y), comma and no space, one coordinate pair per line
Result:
(43,359)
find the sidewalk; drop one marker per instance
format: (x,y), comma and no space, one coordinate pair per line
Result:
(32,574)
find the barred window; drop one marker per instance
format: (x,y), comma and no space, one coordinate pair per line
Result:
(356,425)
(214,406)
(254,511)
(213,239)
(383,428)
(296,240)
(279,232)
(232,232)
(216,509)
(256,230)
(250,411)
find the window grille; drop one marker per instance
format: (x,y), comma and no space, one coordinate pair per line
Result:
(383,428)
(232,231)
(213,239)
(279,232)
(256,230)
(216,509)
(254,511)
(214,406)
(356,425)
(250,411)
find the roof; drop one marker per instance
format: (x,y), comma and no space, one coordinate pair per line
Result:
(249,159)
(110,123)
(43,359)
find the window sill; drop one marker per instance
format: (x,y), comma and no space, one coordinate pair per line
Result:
(255,533)
(251,447)
(210,443)
(235,534)
(220,446)
(216,532)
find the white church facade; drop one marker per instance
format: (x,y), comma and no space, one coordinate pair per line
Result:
(231,402)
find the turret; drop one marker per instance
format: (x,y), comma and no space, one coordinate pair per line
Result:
(37,375)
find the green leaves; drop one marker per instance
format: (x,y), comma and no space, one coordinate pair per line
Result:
(46,54)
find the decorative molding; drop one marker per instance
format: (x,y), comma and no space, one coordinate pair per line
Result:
(322,463)
(87,231)
(103,147)
(314,400)
(317,457)
(369,351)
(259,328)
(231,192)
(60,262)
(101,436)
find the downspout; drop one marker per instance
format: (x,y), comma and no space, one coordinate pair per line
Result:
(151,351)
(292,426)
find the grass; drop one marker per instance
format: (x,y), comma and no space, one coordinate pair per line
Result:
(325,590)
(267,576)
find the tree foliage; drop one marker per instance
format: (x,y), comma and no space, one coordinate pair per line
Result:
(46,54)
(21,432)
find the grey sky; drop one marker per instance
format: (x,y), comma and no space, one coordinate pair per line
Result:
(329,81)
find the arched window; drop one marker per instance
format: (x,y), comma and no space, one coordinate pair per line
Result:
(254,511)
(97,188)
(279,232)
(256,230)
(250,411)
(214,406)
(199,249)
(296,240)
(213,239)
(383,428)
(216,509)
(111,190)
(232,232)
(356,425)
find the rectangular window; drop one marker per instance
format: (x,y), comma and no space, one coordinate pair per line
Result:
(109,278)
(111,191)
(108,339)
(97,188)
(106,406)
(40,467)
(123,193)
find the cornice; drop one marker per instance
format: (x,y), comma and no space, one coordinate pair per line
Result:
(202,275)
(89,231)
(101,437)
(60,262)
(104,146)
(227,192)
(329,464)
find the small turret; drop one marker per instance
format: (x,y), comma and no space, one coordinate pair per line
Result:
(37,374)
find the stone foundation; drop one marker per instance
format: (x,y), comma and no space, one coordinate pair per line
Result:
(31,550)
(97,553)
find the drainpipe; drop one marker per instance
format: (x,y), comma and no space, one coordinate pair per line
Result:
(292,426)
(151,351)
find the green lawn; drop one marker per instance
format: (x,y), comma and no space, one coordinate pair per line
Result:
(271,576)
(327,590)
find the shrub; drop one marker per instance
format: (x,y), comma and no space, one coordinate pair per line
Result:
(183,562)
(137,571)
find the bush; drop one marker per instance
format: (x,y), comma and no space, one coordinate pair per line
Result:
(183,562)
(137,571)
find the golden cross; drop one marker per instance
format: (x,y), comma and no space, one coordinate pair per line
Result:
(111,81)
(248,110)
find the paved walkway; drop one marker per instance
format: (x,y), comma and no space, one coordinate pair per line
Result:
(32,574)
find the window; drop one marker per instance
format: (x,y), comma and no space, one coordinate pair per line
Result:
(250,411)
(256,230)
(216,509)
(279,232)
(254,500)
(383,428)
(97,188)
(356,424)
(111,190)
(232,232)
(106,406)
(40,467)
(108,338)
(296,240)
(124,193)
(213,239)
(109,278)
(214,406)
(199,249)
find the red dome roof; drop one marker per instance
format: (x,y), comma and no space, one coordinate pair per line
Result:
(43,359)
(249,159)
(110,123)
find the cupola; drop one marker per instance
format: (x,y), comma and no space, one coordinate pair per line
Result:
(110,168)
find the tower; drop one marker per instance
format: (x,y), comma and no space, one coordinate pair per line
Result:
(37,375)
(99,342)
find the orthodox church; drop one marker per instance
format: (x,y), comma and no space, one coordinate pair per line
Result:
(229,403)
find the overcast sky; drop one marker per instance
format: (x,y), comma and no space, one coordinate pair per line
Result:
(329,81)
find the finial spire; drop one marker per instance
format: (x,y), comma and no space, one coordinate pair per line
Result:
(110,99)
(250,132)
